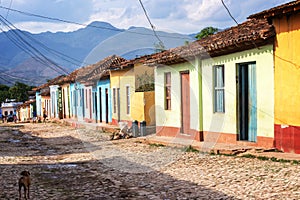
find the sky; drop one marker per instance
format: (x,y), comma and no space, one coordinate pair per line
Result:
(180,16)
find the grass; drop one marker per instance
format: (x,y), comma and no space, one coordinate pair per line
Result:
(156,145)
(262,158)
(191,149)
(248,156)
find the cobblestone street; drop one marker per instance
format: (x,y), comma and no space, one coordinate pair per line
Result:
(68,163)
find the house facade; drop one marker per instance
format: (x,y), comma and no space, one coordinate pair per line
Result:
(103,104)
(238,98)
(122,87)
(132,89)
(26,111)
(66,100)
(177,105)
(214,89)
(286,20)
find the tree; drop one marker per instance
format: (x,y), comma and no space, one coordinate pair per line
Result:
(4,94)
(206,32)
(19,92)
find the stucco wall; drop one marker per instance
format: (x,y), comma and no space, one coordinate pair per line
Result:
(121,79)
(227,122)
(66,100)
(38,98)
(287,73)
(143,108)
(172,118)
(104,84)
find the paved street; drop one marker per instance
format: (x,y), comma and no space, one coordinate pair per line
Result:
(68,163)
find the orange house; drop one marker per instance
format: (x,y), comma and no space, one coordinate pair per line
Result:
(286,20)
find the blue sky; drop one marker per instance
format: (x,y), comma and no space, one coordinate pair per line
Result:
(182,16)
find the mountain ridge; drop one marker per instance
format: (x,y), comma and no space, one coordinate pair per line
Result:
(71,50)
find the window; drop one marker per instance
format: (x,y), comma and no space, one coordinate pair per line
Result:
(128,100)
(219,93)
(114,100)
(168,91)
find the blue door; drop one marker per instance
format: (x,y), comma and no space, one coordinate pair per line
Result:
(246,102)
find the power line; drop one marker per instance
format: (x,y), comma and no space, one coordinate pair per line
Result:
(21,78)
(85,25)
(236,22)
(229,12)
(152,26)
(28,51)
(6,80)
(31,48)
(10,8)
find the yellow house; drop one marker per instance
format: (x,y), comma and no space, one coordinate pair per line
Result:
(286,20)
(26,111)
(132,86)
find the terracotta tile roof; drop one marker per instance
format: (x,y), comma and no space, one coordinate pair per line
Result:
(25,104)
(51,82)
(291,7)
(95,71)
(104,66)
(248,35)
(130,63)
(69,78)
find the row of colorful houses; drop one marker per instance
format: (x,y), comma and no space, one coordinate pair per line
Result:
(238,86)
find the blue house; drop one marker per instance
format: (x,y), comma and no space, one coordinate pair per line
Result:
(91,95)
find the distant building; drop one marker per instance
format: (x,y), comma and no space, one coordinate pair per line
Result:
(9,107)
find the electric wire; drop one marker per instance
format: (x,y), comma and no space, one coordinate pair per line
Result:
(8,24)
(28,51)
(86,25)
(236,22)
(152,26)
(20,78)
(10,8)
(229,12)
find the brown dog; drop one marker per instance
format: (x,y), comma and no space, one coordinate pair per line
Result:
(24,182)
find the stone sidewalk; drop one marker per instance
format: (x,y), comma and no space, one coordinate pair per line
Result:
(206,147)
(82,163)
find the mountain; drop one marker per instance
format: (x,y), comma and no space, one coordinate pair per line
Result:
(23,54)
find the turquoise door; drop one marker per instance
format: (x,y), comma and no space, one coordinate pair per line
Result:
(246,102)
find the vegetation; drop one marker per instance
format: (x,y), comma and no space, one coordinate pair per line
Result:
(206,32)
(145,82)
(19,92)
(156,145)
(191,149)
(4,93)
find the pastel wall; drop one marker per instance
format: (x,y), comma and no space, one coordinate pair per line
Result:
(172,117)
(227,122)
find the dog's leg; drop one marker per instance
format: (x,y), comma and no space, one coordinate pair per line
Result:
(25,192)
(28,192)
(20,188)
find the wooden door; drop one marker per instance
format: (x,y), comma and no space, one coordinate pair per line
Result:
(185,102)
(246,102)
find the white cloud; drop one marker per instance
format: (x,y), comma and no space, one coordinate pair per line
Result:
(185,16)
(38,27)
(202,10)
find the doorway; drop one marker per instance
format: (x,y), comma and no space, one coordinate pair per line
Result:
(246,102)
(185,102)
